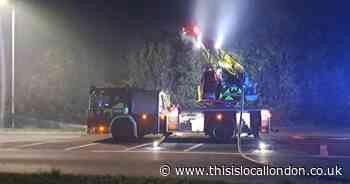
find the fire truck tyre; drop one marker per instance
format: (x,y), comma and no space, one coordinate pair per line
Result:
(255,130)
(219,133)
(256,133)
(122,129)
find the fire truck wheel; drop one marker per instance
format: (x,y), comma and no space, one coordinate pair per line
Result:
(219,134)
(256,133)
(122,130)
(255,130)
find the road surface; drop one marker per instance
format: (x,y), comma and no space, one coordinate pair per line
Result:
(100,155)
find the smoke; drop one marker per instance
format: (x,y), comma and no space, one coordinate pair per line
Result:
(218,20)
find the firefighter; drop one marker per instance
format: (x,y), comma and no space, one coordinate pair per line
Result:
(210,83)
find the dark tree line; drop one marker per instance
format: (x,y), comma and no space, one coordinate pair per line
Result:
(299,69)
(166,63)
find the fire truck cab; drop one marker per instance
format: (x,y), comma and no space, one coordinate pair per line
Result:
(125,112)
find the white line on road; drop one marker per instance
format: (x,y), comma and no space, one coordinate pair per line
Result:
(30,145)
(193,147)
(339,138)
(135,147)
(275,155)
(9,149)
(167,152)
(79,147)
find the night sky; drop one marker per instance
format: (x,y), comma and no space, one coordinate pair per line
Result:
(105,16)
(115,25)
(119,24)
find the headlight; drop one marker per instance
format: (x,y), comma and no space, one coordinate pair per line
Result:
(144,116)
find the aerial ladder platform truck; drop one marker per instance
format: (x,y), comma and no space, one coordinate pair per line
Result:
(130,112)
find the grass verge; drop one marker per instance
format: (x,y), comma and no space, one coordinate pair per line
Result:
(55,177)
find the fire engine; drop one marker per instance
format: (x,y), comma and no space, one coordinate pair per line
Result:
(225,85)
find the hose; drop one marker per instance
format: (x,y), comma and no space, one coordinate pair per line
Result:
(163,139)
(239,129)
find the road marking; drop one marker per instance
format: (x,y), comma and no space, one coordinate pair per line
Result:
(79,147)
(167,152)
(10,149)
(329,156)
(30,145)
(193,147)
(135,147)
(339,138)
(227,153)
(297,137)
